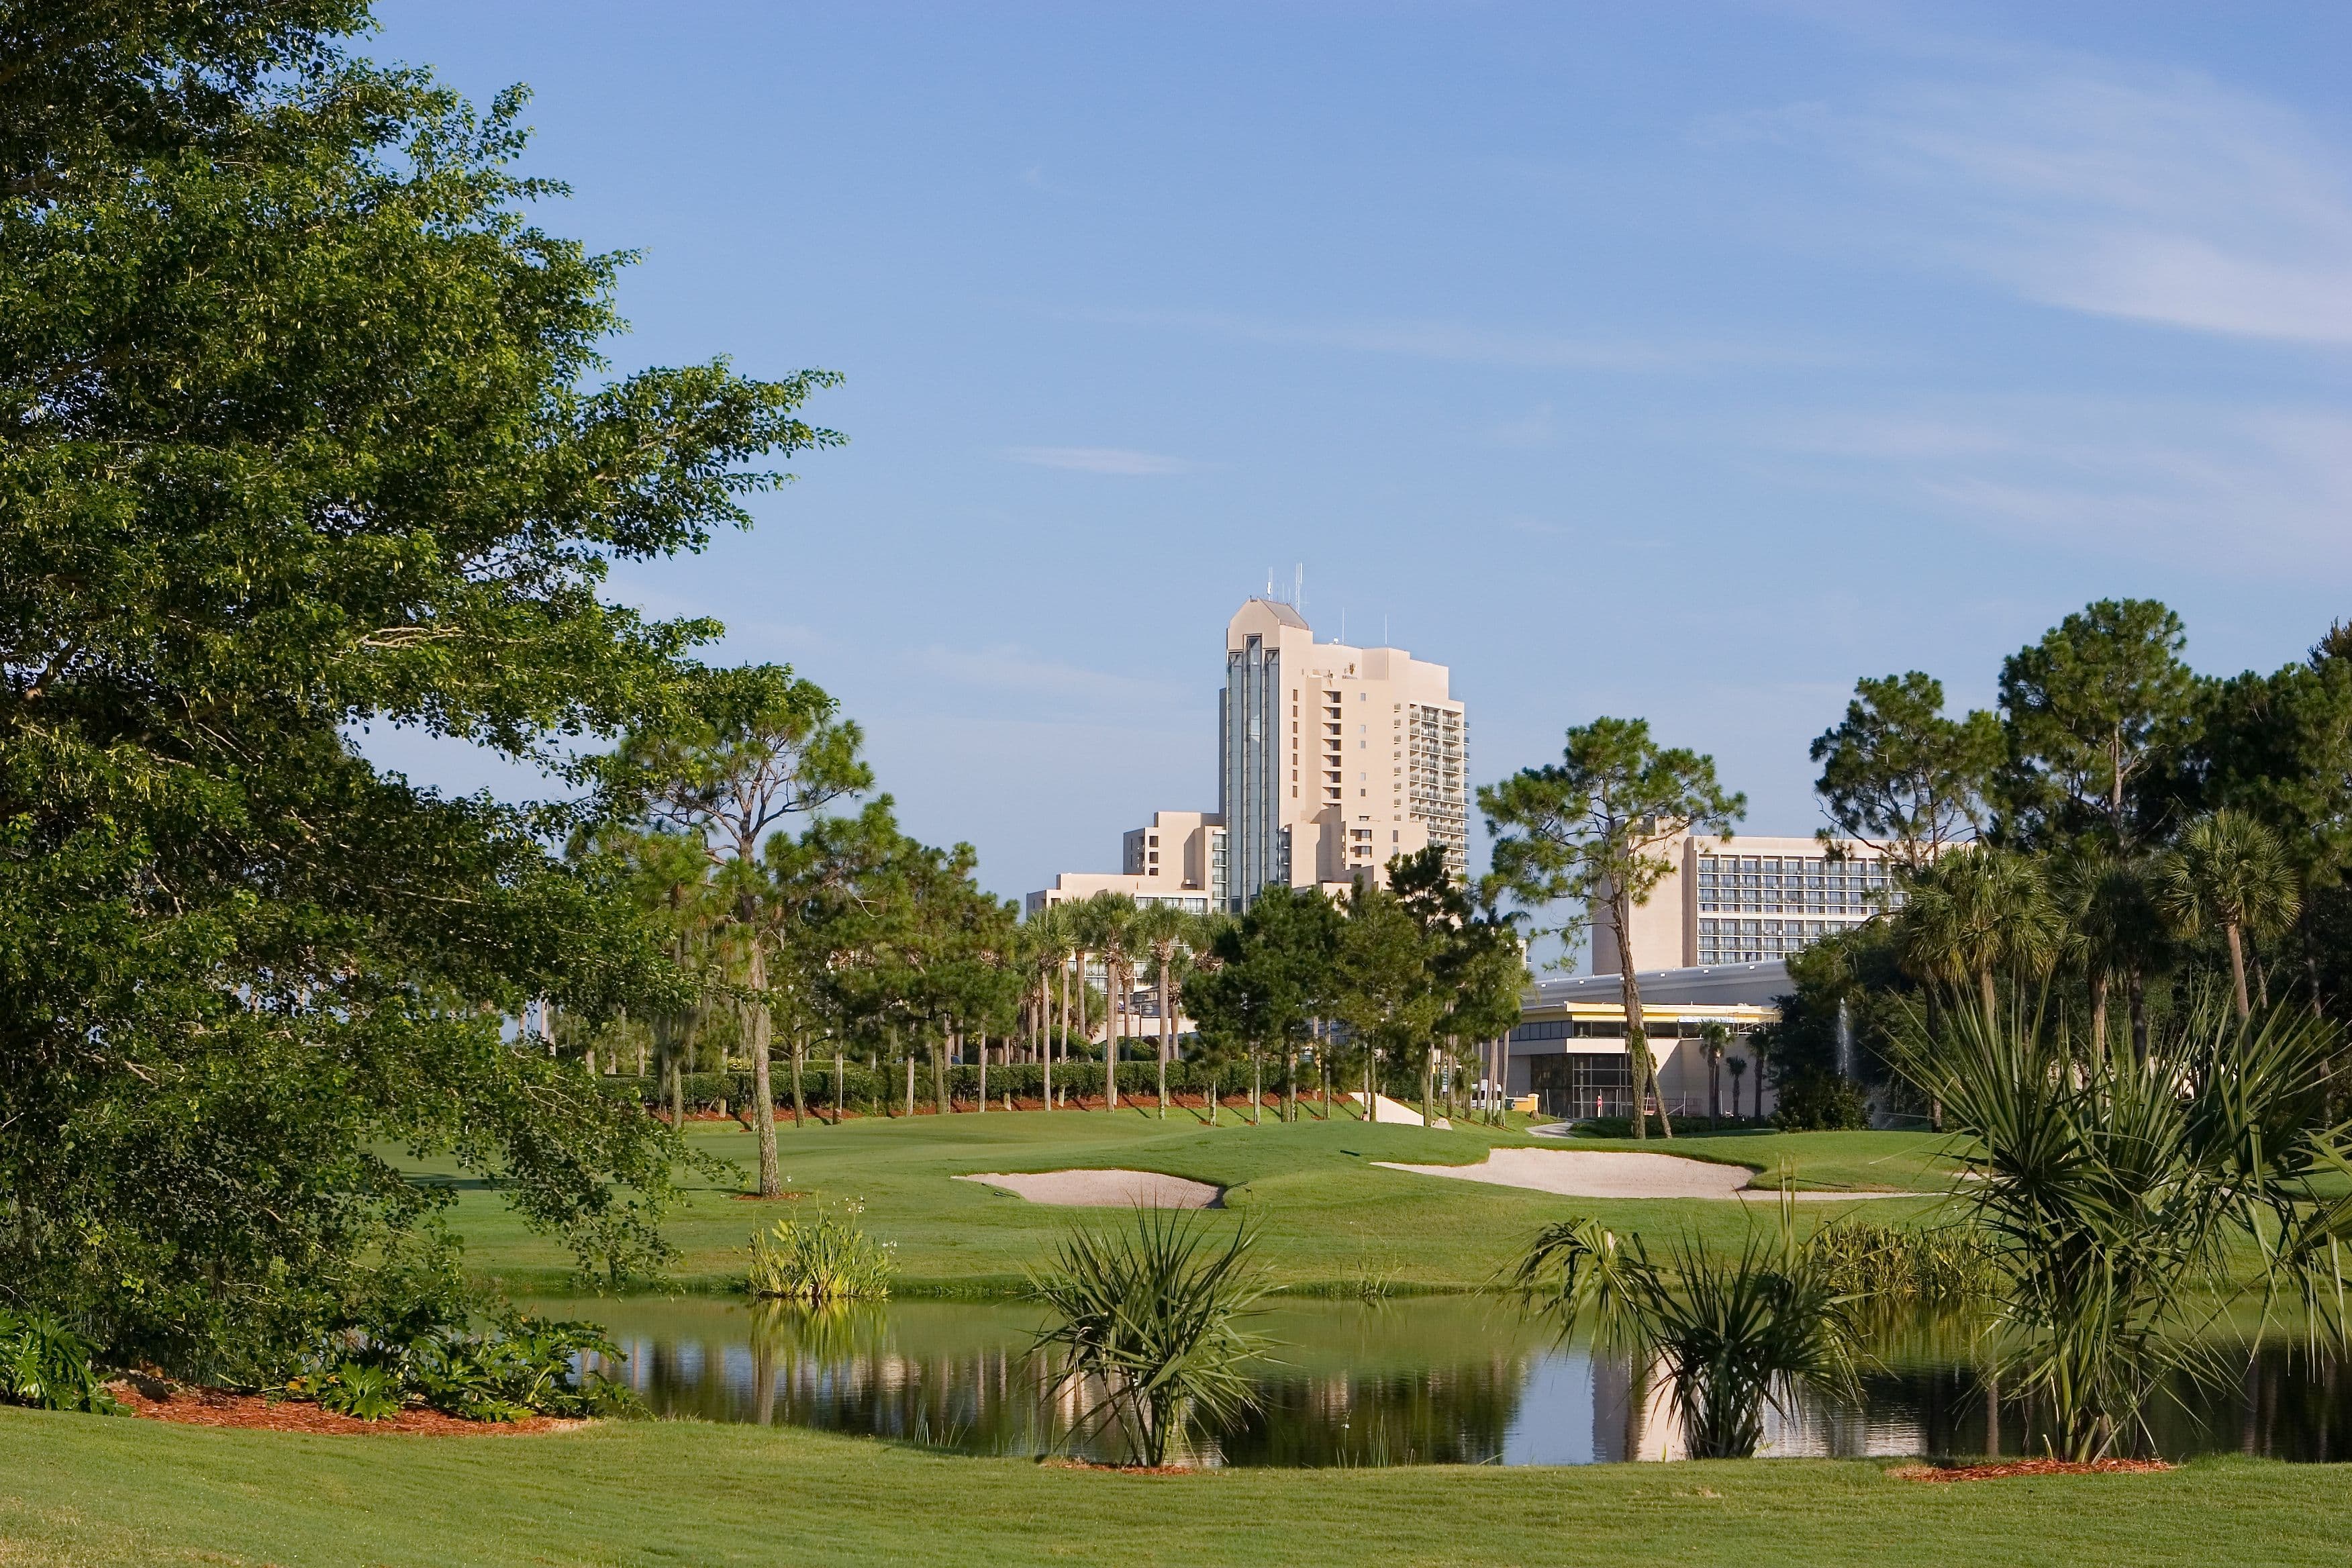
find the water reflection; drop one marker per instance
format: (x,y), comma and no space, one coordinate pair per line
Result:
(1431,1381)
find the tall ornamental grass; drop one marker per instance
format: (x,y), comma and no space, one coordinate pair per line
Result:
(2131,1207)
(1735,1333)
(1148,1326)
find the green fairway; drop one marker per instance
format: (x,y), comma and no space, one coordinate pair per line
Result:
(1330,1218)
(86,1490)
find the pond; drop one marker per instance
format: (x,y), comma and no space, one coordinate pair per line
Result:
(1420,1380)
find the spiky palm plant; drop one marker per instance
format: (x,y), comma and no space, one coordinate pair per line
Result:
(2119,1198)
(1149,1322)
(1734,1334)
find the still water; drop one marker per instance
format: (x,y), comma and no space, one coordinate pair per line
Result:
(1432,1379)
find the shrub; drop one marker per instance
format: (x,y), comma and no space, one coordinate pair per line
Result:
(822,1259)
(45,1365)
(1149,1322)
(1814,1101)
(522,1367)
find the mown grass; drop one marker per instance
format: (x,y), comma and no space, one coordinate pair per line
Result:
(77,1490)
(1330,1220)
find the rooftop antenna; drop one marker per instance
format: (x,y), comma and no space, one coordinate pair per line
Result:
(1269,582)
(1299,587)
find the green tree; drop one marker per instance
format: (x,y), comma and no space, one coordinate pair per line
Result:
(2229,871)
(1899,775)
(1596,827)
(1106,924)
(1384,985)
(1975,913)
(1273,979)
(759,747)
(1477,960)
(307,432)
(2094,715)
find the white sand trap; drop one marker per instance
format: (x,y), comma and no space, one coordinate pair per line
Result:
(1107,1189)
(1609,1173)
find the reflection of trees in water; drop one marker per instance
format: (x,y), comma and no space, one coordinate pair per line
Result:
(1450,1414)
(974,1387)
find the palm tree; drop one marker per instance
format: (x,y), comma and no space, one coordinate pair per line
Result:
(2231,871)
(1106,923)
(1159,930)
(1049,952)
(2131,1207)
(1738,1066)
(1976,912)
(1713,1038)
(2103,901)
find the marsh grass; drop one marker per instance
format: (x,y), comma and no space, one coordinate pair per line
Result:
(821,1259)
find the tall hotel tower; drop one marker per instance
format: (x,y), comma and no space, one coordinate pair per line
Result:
(1332,759)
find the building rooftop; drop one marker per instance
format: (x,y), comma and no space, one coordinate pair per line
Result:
(1756,984)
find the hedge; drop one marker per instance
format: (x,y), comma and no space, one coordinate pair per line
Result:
(863,1086)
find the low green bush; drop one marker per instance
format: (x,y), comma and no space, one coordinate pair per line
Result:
(521,1367)
(1821,1102)
(45,1365)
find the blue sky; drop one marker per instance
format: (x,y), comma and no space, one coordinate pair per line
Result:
(1685,361)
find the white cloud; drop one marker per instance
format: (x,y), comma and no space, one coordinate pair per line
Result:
(1462,343)
(2225,490)
(1009,668)
(2161,198)
(1119,460)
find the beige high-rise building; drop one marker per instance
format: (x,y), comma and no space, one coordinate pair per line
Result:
(1333,758)
(1749,900)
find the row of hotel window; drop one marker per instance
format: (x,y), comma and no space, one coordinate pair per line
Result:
(1757,942)
(1608,1029)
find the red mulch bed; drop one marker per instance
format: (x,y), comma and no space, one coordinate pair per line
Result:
(2004,1469)
(219,1407)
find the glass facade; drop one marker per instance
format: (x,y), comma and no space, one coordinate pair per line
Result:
(1756,907)
(1249,774)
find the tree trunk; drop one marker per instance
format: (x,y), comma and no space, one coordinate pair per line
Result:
(1290,1079)
(1637,1040)
(1714,1086)
(2136,997)
(1323,1059)
(939,1074)
(1160,1000)
(1428,1086)
(800,1098)
(2100,982)
(1986,995)
(2238,969)
(911,1081)
(836,1087)
(1372,1105)
(1257,1087)
(983,1075)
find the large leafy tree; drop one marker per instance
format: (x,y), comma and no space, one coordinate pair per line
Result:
(306,429)
(1597,828)
(1901,775)
(1476,959)
(2096,716)
(1272,979)
(755,748)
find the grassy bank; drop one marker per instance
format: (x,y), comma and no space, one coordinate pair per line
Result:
(86,1490)
(1330,1218)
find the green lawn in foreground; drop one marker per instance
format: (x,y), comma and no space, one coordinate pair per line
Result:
(77,1489)
(1330,1218)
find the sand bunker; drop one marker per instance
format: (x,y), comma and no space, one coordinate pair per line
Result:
(1108,1189)
(1607,1174)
